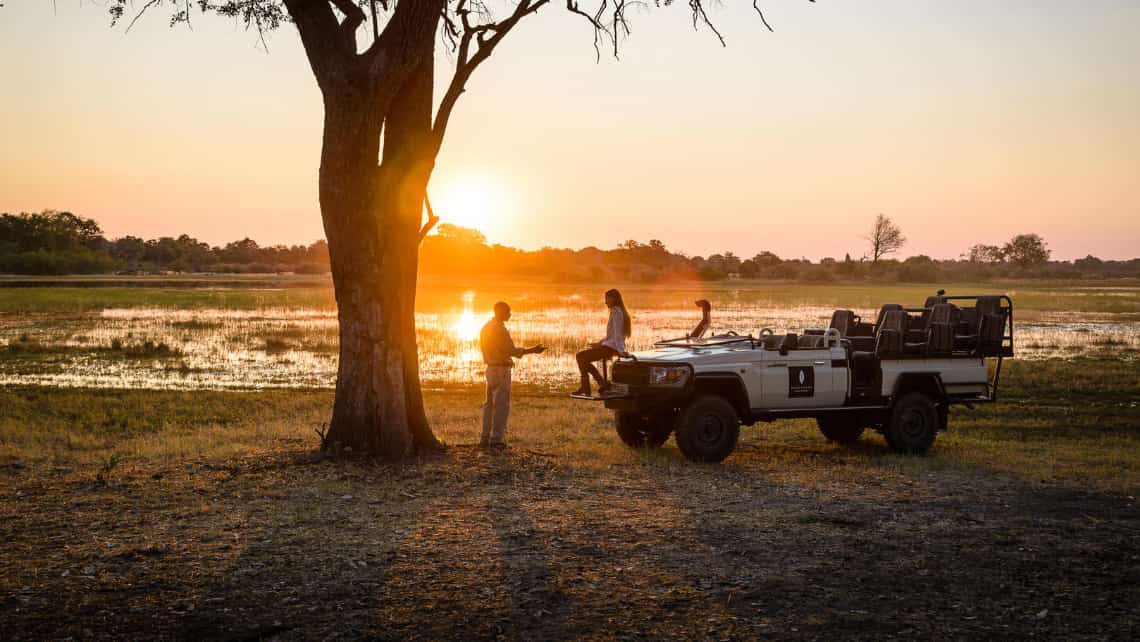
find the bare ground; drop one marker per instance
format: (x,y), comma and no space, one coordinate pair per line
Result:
(528,545)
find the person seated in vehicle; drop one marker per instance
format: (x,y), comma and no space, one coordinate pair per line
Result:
(618,329)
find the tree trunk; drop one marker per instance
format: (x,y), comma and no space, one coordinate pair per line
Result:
(372,215)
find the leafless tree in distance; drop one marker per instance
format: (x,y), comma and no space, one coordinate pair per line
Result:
(885,238)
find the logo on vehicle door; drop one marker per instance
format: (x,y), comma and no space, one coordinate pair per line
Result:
(801,381)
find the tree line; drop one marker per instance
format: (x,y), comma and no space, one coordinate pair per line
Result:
(54,243)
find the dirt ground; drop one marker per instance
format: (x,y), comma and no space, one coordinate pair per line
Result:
(522,545)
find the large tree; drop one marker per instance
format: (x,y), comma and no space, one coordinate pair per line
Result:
(374,61)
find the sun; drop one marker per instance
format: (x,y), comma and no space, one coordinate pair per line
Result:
(473,202)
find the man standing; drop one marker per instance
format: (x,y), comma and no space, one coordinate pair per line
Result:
(498,350)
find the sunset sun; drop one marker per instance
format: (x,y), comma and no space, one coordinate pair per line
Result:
(473,202)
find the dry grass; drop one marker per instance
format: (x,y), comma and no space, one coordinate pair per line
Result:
(170,514)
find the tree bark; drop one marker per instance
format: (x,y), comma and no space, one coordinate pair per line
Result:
(372,216)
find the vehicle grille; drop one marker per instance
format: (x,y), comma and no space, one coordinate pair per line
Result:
(630,373)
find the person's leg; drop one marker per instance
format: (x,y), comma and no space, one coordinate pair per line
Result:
(502,407)
(488,408)
(605,352)
(586,359)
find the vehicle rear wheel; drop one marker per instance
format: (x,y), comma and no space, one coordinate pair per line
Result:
(842,430)
(913,424)
(640,431)
(707,429)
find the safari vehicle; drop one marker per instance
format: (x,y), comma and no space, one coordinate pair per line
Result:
(898,375)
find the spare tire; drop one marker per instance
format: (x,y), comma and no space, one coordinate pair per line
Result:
(840,429)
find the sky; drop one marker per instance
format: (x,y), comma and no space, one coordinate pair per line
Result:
(966,122)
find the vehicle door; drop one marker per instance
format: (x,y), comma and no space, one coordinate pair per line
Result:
(799,379)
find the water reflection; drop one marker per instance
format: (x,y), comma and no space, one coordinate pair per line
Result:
(297,348)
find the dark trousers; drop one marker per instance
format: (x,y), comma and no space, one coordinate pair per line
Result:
(586,359)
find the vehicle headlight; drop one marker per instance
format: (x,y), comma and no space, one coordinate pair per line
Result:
(668,375)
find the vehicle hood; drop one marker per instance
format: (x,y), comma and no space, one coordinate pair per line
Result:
(704,354)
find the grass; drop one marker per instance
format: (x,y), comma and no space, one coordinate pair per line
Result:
(1057,422)
(165,514)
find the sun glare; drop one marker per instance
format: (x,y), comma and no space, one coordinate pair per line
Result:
(472,202)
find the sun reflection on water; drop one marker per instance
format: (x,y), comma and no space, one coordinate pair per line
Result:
(467,327)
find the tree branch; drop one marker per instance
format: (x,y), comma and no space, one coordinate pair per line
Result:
(432,218)
(595,22)
(485,36)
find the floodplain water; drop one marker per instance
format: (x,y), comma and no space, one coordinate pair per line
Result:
(296,347)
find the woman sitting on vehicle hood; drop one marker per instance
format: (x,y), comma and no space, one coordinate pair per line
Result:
(619,327)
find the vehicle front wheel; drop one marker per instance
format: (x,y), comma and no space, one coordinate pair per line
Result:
(841,430)
(640,431)
(707,429)
(913,424)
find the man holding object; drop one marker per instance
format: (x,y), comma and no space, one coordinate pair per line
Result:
(498,350)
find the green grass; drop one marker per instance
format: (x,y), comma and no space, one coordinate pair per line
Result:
(1074,422)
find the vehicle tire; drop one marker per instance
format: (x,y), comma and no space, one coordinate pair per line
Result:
(707,429)
(639,431)
(841,430)
(913,424)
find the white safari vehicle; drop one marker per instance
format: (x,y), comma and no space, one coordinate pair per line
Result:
(897,375)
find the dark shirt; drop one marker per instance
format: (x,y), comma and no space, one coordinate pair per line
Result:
(496,344)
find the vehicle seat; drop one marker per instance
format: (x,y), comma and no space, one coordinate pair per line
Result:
(928,307)
(810,341)
(940,330)
(790,342)
(888,307)
(991,331)
(842,320)
(891,332)
(971,335)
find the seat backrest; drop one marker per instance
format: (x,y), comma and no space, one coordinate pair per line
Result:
(947,313)
(927,307)
(890,333)
(790,342)
(895,319)
(888,307)
(940,338)
(842,320)
(932,301)
(991,331)
(811,341)
(888,342)
(969,321)
(988,305)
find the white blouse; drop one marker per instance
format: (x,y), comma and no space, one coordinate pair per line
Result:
(615,330)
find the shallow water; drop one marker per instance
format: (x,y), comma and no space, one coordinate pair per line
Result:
(297,348)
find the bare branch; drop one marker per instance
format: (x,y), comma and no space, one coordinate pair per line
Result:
(485,36)
(599,28)
(762,18)
(432,218)
(699,14)
(148,5)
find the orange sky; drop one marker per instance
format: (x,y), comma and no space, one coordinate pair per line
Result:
(966,122)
